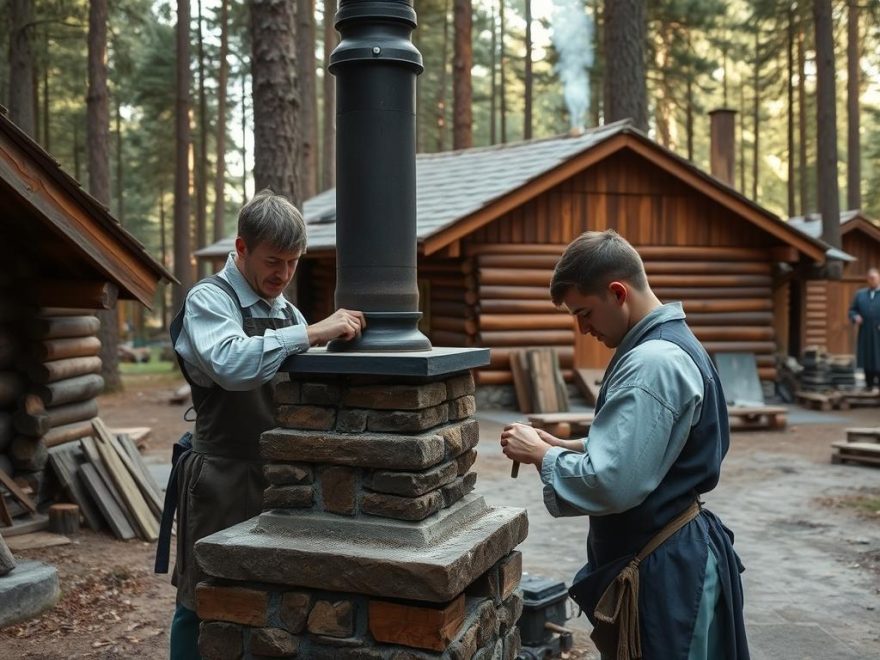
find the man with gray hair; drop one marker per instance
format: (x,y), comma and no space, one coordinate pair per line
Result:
(865,314)
(231,336)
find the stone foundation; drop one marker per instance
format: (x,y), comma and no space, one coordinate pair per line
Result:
(371,543)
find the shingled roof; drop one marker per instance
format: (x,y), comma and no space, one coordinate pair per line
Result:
(456,185)
(811,225)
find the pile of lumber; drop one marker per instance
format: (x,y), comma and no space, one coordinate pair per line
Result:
(538,381)
(62,370)
(104,474)
(862,445)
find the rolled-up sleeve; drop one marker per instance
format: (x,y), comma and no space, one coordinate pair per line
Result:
(215,343)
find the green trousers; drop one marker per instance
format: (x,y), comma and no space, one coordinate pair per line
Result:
(184,634)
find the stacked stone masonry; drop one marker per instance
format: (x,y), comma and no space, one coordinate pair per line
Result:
(366,446)
(267,621)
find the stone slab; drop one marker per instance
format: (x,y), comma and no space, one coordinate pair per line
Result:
(333,559)
(436,362)
(30,588)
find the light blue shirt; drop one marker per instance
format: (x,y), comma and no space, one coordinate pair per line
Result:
(214,346)
(653,397)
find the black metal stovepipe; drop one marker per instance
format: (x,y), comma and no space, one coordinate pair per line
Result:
(375,65)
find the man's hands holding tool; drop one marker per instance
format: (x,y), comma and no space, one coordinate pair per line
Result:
(522,443)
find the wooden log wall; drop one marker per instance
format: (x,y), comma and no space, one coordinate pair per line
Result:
(60,369)
(815,314)
(726,293)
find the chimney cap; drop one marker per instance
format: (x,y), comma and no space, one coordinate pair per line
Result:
(718,110)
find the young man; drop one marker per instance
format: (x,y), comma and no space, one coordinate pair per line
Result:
(662,581)
(231,336)
(865,314)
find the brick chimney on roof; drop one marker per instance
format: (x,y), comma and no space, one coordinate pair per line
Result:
(722,152)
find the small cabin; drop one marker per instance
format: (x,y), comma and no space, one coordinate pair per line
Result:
(819,309)
(493,221)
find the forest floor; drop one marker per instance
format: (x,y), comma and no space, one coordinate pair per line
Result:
(807,531)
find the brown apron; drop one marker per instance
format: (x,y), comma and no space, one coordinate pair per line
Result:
(221,481)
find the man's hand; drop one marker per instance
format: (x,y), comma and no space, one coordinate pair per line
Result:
(858,320)
(342,324)
(522,443)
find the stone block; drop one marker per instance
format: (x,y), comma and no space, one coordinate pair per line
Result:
(402,508)
(487,623)
(273,643)
(407,421)
(339,490)
(220,641)
(462,407)
(460,437)
(397,452)
(465,462)
(313,418)
(396,397)
(287,392)
(294,611)
(411,484)
(459,488)
(418,625)
(320,394)
(288,497)
(351,421)
(288,474)
(332,619)
(27,590)
(512,644)
(510,570)
(509,612)
(459,386)
(248,607)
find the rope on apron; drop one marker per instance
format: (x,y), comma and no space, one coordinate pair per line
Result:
(163,547)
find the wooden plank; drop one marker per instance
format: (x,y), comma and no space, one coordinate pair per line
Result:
(5,516)
(110,508)
(867,447)
(128,444)
(34,540)
(146,523)
(17,492)
(91,451)
(521,384)
(855,434)
(144,483)
(67,433)
(137,434)
(64,459)
(20,526)
(419,625)
(589,382)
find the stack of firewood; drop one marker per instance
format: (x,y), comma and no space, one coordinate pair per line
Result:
(63,373)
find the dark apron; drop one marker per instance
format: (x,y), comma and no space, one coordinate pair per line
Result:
(219,481)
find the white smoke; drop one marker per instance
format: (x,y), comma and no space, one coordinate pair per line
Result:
(572,33)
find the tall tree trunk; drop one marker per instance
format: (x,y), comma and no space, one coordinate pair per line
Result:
(77,170)
(756,114)
(276,101)
(689,117)
(441,86)
(853,147)
(625,91)
(47,141)
(21,65)
(802,122)
(493,84)
(201,178)
(308,90)
(163,252)
(244,131)
(502,82)
(527,110)
(826,128)
(120,197)
(742,138)
(220,140)
(328,160)
(183,270)
(98,141)
(789,62)
(462,90)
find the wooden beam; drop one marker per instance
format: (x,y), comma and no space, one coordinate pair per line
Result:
(89,295)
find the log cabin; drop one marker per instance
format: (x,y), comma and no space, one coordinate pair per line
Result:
(493,221)
(65,257)
(819,306)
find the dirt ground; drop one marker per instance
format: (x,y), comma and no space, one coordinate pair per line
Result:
(807,531)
